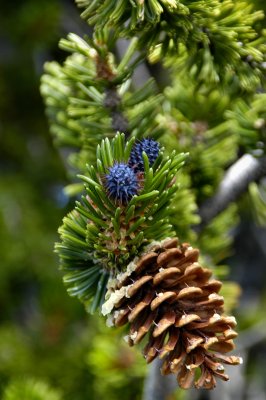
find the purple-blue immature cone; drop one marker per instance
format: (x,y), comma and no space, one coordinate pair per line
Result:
(150,147)
(121,183)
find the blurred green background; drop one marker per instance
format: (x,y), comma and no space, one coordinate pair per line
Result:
(48,344)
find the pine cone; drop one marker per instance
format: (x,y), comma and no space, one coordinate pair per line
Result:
(169,295)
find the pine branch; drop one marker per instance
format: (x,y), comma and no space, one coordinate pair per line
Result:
(236,181)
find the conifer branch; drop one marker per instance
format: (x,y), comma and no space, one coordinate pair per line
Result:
(236,181)
(131,198)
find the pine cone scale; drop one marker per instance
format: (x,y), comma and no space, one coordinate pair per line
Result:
(188,292)
(145,260)
(163,276)
(162,297)
(137,285)
(186,319)
(140,307)
(170,344)
(164,323)
(166,257)
(187,377)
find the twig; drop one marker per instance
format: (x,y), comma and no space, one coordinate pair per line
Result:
(112,102)
(157,386)
(236,181)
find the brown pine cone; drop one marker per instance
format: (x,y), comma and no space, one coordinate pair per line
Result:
(169,295)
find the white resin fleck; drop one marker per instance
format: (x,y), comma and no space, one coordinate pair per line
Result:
(133,335)
(114,298)
(109,321)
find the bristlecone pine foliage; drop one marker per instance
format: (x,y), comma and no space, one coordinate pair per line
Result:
(167,295)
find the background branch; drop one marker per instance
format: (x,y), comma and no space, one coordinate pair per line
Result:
(157,386)
(236,181)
